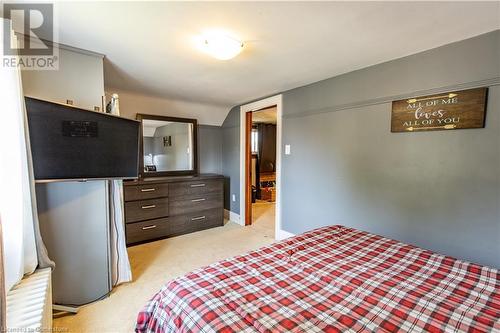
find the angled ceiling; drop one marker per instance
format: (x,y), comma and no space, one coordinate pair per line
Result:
(149,126)
(148,45)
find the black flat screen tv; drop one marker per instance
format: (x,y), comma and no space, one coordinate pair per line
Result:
(68,143)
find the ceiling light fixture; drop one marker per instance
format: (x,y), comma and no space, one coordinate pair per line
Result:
(219,45)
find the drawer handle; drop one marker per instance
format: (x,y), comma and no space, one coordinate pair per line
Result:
(148,207)
(148,189)
(198,218)
(198,200)
(149,227)
(198,185)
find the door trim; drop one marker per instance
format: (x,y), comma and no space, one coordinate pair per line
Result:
(258,105)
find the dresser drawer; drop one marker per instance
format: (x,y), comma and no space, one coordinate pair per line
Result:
(195,203)
(141,192)
(143,231)
(196,187)
(145,209)
(195,221)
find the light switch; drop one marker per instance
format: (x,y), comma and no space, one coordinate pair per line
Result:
(234,198)
(287,150)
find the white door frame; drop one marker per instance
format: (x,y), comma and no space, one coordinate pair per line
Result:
(258,105)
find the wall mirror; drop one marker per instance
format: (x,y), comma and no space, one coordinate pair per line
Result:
(169,146)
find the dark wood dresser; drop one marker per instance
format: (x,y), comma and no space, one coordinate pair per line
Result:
(169,206)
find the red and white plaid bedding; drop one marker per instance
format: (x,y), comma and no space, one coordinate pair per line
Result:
(332,279)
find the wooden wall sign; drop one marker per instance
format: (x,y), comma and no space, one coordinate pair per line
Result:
(452,110)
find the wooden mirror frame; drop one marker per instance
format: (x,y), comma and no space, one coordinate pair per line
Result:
(194,171)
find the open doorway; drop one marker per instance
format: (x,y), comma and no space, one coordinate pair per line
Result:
(260,165)
(263,168)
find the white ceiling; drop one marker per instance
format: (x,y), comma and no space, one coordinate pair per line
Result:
(287,44)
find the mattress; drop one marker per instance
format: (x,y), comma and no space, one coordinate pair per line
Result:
(332,279)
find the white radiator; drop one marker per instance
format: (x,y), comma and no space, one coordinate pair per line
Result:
(29,304)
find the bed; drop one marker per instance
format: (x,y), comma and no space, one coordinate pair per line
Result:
(332,279)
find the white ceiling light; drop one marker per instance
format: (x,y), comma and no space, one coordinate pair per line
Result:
(219,45)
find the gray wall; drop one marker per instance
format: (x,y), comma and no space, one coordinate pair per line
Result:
(210,149)
(174,157)
(231,159)
(438,190)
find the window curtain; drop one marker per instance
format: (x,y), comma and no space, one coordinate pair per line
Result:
(120,264)
(23,246)
(3,307)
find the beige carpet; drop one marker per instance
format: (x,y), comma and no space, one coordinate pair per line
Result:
(155,263)
(263,217)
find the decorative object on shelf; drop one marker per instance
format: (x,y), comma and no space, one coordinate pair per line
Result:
(445,111)
(113,106)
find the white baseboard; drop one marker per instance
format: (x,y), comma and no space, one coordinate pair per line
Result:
(282,234)
(231,216)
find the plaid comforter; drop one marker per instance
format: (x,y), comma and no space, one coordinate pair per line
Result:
(333,279)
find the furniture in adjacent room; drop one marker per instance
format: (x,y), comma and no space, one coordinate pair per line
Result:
(170,198)
(267,185)
(264,170)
